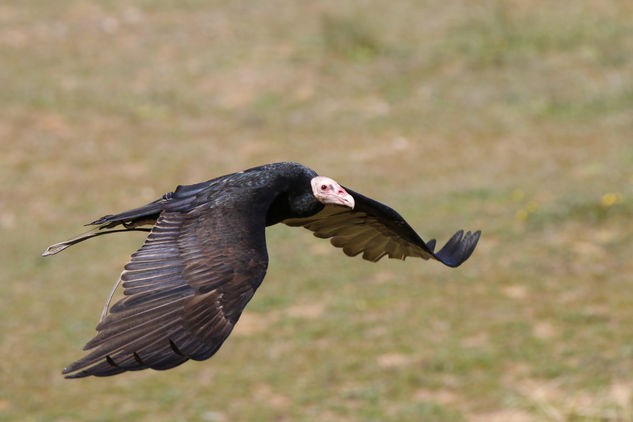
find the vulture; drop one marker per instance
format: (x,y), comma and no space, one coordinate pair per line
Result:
(205,255)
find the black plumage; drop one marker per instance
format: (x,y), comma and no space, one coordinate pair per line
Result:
(205,256)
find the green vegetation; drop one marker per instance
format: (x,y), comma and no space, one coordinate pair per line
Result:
(514,117)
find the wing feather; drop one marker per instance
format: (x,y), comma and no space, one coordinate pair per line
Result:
(184,290)
(377,230)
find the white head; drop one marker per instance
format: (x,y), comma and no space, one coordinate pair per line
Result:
(327,191)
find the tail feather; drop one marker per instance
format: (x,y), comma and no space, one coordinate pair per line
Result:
(58,247)
(132,218)
(147,214)
(180,200)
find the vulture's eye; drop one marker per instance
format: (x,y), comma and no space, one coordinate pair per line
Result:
(323,187)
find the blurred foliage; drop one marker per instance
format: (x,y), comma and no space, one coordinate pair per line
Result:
(349,38)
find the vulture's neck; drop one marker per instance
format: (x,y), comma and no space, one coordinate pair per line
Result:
(292,196)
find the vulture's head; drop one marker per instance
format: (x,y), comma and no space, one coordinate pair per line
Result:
(327,191)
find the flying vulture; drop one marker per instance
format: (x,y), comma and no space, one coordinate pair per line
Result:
(205,256)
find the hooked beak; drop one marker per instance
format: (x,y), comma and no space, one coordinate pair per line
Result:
(327,191)
(343,198)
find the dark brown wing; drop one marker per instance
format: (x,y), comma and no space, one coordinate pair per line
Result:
(377,230)
(185,290)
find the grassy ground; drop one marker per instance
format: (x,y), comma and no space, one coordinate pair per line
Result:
(514,117)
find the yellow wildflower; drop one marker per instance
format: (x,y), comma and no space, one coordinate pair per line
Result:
(521,214)
(610,198)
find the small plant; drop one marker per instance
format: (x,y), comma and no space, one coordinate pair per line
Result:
(349,38)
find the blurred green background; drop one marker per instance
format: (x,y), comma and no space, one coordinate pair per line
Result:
(514,117)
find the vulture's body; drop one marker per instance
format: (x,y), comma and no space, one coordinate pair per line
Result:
(205,256)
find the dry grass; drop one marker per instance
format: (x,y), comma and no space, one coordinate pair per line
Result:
(513,117)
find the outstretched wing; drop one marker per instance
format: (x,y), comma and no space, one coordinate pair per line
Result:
(184,291)
(377,230)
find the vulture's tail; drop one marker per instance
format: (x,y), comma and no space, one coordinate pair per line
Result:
(178,200)
(130,220)
(58,247)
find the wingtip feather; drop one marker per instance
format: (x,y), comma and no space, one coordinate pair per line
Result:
(459,248)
